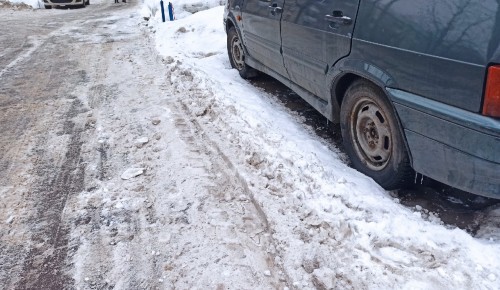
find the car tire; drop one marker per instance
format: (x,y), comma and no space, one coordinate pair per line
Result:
(236,52)
(372,136)
(48,6)
(87,2)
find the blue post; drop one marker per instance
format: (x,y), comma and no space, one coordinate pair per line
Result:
(162,11)
(171,11)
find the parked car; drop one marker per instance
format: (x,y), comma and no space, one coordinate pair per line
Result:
(415,85)
(54,3)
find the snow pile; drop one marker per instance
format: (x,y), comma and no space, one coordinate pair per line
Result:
(332,227)
(21,4)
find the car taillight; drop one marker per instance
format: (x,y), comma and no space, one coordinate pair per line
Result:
(491,104)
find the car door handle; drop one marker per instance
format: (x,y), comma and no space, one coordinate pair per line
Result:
(275,9)
(341,19)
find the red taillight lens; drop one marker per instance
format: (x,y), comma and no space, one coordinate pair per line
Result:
(491,105)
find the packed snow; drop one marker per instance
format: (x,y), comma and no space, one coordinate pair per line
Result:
(330,227)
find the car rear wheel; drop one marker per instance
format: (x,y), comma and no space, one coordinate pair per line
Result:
(372,136)
(48,6)
(236,52)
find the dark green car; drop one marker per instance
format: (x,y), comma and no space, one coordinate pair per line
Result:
(415,85)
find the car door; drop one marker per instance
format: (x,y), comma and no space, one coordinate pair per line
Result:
(315,34)
(261,32)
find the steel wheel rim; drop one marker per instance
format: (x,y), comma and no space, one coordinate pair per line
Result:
(371,134)
(237,53)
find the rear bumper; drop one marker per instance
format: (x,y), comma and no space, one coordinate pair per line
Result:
(454,167)
(451,145)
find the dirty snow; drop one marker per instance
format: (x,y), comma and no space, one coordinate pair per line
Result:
(203,181)
(33,3)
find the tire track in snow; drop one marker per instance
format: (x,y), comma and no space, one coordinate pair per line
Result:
(230,165)
(44,267)
(33,44)
(193,133)
(185,77)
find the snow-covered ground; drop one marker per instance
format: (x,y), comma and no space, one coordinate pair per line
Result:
(332,227)
(196,179)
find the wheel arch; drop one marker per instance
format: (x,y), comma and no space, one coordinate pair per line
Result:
(340,86)
(347,70)
(342,83)
(229,24)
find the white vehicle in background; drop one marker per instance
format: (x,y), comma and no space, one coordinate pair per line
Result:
(54,3)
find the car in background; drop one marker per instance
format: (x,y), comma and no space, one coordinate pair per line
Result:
(54,3)
(415,85)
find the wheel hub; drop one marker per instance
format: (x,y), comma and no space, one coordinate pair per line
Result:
(372,134)
(237,53)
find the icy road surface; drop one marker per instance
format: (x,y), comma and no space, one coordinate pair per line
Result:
(133,157)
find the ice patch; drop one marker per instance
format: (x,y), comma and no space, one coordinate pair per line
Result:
(141,141)
(131,173)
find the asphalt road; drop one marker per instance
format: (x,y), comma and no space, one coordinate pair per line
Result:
(43,68)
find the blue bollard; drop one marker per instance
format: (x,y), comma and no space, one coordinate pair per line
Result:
(171,11)
(162,11)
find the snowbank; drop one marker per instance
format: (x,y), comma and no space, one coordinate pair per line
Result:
(33,3)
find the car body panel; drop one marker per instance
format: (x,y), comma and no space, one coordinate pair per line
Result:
(452,145)
(262,33)
(454,167)
(317,103)
(311,43)
(423,43)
